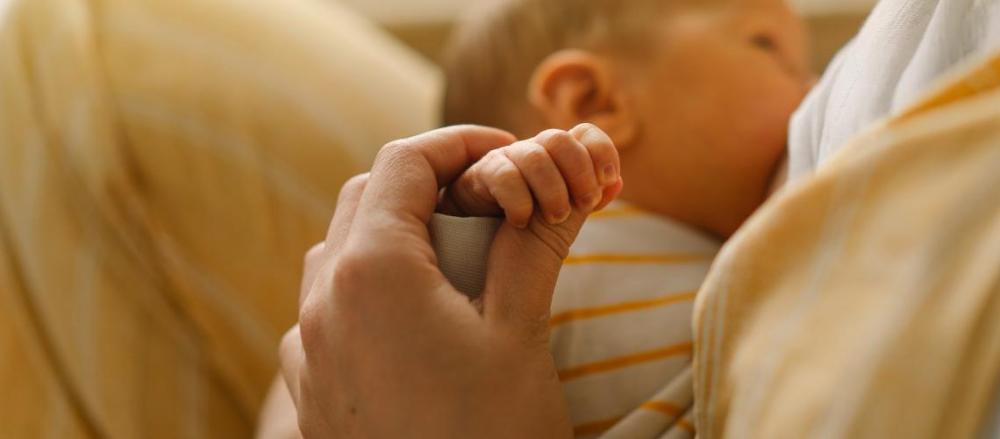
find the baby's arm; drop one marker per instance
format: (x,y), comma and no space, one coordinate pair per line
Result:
(546,174)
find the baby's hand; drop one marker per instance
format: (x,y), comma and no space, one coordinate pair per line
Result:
(550,171)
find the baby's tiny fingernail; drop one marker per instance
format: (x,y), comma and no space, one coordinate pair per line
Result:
(559,217)
(609,175)
(591,201)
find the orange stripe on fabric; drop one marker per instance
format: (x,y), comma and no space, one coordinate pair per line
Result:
(622,212)
(595,427)
(687,426)
(666,408)
(573,373)
(609,258)
(598,311)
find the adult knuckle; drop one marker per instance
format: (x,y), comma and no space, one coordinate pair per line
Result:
(315,252)
(289,342)
(394,152)
(312,331)
(350,271)
(354,185)
(394,147)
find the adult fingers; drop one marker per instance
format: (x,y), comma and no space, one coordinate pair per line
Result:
(278,416)
(297,377)
(524,264)
(521,274)
(347,207)
(343,216)
(314,259)
(317,258)
(292,359)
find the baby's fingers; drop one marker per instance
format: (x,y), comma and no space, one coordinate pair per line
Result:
(543,178)
(574,163)
(511,192)
(602,151)
(492,185)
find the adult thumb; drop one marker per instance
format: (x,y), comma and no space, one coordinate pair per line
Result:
(522,271)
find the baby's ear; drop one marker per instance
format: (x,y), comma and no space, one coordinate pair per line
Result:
(573,86)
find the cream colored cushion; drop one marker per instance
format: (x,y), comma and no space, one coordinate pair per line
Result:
(164,165)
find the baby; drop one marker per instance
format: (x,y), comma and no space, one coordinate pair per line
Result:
(696,96)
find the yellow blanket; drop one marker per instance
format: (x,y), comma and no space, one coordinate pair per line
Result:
(164,165)
(864,302)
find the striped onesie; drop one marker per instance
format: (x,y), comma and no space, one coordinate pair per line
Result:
(621,323)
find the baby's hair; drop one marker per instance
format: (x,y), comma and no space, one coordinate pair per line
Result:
(498,45)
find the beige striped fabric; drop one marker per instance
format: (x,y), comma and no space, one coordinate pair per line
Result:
(164,165)
(863,302)
(621,323)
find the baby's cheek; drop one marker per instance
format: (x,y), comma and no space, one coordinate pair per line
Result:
(774,111)
(766,133)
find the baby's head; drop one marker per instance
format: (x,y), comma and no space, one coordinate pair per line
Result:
(696,94)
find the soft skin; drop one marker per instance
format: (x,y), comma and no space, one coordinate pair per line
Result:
(544,176)
(472,372)
(700,116)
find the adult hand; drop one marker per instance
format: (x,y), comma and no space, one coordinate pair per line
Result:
(387,348)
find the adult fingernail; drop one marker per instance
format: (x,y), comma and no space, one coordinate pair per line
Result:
(609,175)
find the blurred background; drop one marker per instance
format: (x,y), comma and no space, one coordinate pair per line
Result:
(424,25)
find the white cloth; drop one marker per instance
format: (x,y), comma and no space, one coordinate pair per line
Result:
(462,246)
(903,48)
(621,323)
